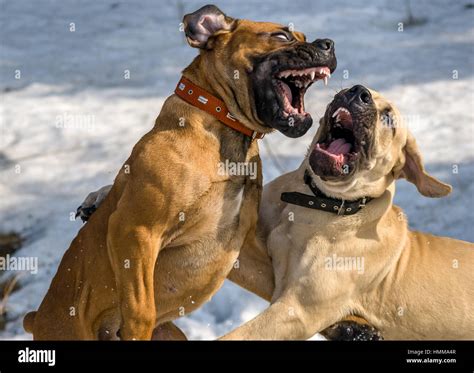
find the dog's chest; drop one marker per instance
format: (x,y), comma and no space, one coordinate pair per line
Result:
(194,266)
(208,239)
(225,210)
(214,229)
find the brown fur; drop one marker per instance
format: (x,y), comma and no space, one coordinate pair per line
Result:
(137,264)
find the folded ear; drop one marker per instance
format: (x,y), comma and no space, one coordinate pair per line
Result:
(414,171)
(205,22)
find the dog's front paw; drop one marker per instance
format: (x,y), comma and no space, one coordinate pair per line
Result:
(92,203)
(352,331)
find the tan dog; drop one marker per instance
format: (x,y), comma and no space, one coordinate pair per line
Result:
(332,259)
(170,230)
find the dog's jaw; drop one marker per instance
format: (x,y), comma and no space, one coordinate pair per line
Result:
(280,80)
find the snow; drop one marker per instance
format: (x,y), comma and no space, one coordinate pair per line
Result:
(71,120)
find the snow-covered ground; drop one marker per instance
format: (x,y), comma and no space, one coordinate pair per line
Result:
(72,118)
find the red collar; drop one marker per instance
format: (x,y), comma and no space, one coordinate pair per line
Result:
(203,100)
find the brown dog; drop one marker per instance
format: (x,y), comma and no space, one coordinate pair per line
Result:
(339,246)
(170,230)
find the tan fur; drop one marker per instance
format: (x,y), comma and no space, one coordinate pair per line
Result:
(414,285)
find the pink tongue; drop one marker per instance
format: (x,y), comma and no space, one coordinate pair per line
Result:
(339,146)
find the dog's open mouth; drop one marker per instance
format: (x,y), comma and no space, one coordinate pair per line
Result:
(336,153)
(280,80)
(292,84)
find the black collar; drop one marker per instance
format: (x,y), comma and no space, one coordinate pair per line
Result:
(322,202)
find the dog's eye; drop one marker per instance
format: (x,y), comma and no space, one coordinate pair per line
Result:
(282,36)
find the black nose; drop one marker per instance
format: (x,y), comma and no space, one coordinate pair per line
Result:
(326,45)
(359,93)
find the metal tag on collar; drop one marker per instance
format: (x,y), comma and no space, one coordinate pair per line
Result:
(341,210)
(255,134)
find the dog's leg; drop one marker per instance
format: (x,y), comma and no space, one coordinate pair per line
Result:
(253,270)
(133,241)
(281,321)
(168,332)
(92,202)
(352,328)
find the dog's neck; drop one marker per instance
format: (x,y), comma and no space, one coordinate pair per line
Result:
(319,201)
(190,120)
(351,189)
(201,76)
(193,72)
(373,212)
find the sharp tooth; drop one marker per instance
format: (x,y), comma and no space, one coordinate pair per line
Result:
(325,80)
(313,74)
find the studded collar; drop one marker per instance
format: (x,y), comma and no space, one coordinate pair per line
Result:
(320,201)
(203,100)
